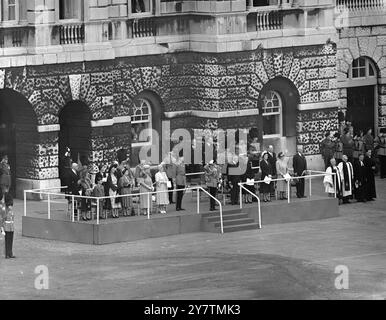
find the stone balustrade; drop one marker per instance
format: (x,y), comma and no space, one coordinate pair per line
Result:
(13,37)
(71,33)
(269,20)
(140,28)
(360,5)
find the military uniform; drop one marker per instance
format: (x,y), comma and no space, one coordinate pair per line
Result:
(171,172)
(181,183)
(212,177)
(7,223)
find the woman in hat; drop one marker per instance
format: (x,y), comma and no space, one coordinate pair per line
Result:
(162,180)
(86,189)
(125,185)
(266,171)
(282,171)
(145,186)
(112,186)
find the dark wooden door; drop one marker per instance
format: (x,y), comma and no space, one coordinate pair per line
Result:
(360,107)
(75,133)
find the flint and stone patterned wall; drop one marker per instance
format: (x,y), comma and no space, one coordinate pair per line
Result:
(368,42)
(194,81)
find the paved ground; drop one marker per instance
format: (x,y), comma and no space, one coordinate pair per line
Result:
(291,261)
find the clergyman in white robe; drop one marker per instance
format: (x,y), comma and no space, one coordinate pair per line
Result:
(331,179)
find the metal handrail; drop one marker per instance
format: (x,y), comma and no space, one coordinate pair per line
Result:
(322,174)
(220,205)
(292,178)
(49,194)
(258,201)
(195,174)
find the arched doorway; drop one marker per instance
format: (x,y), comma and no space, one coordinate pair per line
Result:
(279,100)
(362,95)
(75,134)
(18,134)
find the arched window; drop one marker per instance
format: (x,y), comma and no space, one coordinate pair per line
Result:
(272,114)
(141,119)
(362,68)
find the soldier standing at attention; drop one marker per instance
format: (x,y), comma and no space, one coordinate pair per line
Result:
(327,148)
(181,182)
(7,222)
(212,177)
(5,174)
(171,172)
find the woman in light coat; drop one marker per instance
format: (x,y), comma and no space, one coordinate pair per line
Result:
(162,180)
(125,185)
(145,188)
(282,171)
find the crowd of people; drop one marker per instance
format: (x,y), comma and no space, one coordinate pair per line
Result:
(351,158)
(117,183)
(353,144)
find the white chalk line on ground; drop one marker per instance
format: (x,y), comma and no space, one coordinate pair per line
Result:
(350,257)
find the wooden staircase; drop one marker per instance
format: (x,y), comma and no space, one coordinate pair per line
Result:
(234,220)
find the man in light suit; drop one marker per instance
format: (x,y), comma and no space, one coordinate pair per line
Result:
(180,182)
(300,168)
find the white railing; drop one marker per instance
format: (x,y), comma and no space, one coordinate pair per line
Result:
(242,187)
(310,176)
(49,195)
(360,5)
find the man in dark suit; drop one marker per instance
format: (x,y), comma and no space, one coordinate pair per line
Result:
(272,159)
(72,180)
(300,166)
(234,179)
(180,182)
(360,177)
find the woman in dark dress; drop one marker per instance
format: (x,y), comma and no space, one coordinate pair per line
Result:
(86,189)
(125,185)
(247,178)
(370,166)
(266,171)
(112,185)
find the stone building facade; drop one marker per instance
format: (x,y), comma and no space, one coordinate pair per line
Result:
(198,65)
